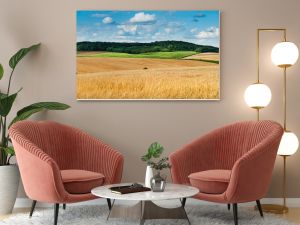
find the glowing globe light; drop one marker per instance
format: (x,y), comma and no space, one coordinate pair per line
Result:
(289,144)
(284,54)
(258,95)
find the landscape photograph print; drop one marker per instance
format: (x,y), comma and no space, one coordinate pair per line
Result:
(148,55)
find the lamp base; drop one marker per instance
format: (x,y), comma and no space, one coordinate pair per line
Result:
(276,209)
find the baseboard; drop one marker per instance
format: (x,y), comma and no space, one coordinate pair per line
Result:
(26,203)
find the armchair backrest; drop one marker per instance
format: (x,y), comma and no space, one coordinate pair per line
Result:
(235,140)
(223,147)
(44,148)
(39,171)
(56,140)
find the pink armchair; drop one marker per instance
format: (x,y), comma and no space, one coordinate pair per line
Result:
(231,165)
(60,164)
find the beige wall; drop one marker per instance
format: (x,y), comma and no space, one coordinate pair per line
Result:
(130,126)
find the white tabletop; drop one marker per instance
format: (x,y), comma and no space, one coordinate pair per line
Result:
(172,191)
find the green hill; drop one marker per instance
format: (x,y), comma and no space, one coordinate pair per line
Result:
(137,48)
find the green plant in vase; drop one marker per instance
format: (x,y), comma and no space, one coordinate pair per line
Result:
(9,174)
(157,182)
(161,164)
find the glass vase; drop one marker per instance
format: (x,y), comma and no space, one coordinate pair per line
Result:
(158,182)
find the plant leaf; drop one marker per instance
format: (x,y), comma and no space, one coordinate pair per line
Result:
(1,71)
(145,158)
(2,95)
(6,103)
(25,115)
(16,58)
(9,150)
(155,150)
(44,105)
(27,111)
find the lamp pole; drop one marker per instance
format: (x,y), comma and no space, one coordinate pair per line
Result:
(258,32)
(270,207)
(284,182)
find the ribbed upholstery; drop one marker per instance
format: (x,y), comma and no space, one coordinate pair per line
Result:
(44,148)
(247,148)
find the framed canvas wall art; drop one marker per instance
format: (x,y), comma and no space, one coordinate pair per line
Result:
(148,55)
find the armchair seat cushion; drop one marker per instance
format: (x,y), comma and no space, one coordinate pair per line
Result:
(81,181)
(211,181)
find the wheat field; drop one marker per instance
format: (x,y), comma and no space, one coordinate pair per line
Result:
(146,78)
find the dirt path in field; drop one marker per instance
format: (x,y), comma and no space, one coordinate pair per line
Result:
(95,65)
(181,72)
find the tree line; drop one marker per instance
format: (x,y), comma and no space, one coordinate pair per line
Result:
(136,48)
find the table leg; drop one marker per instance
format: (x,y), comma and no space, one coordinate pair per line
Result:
(129,212)
(147,210)
(110,209)
(142,221)
(153,211)
(186,216)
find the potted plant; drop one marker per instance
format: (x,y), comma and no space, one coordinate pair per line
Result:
(9,174)
(156,182)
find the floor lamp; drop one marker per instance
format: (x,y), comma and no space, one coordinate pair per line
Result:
(283,55)
(258,95)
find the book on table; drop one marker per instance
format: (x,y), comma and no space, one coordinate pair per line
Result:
(129,189)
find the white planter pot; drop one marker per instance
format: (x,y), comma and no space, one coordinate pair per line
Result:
(9,183)
(148,176)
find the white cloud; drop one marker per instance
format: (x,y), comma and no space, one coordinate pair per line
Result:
(99,15)
(127,28)
(209,33)
(120,32)
(120,37)
(193,30)
(156,34)
(211,42)
(173,28)
(168,30)
(141,17)
(123,39)
(107,20)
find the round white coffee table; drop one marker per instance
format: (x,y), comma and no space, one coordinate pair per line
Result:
(145,209)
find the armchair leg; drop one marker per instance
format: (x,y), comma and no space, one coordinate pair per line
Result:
(183,202)
(228,206)
(64,206)
(259,208)
(108,203)
(32,208)
(56,209)
(235,213)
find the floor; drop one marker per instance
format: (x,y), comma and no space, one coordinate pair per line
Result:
(19,210)
(293,215)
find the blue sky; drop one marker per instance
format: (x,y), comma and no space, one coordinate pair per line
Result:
(199,27)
